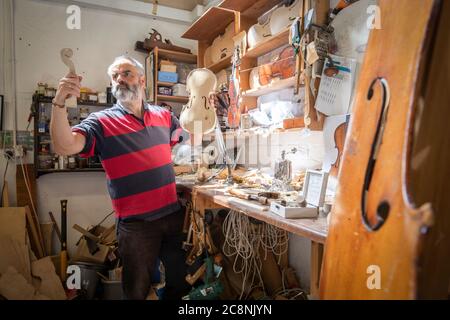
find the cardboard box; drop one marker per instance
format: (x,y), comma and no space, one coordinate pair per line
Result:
(168,68)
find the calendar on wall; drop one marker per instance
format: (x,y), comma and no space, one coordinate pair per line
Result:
(335,91)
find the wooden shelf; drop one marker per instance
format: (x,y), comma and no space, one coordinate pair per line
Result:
(166,84)
(271,43)
(273,86)
(252,9)
(40,172)
(211,24)
(178,99)
(177,56)
(80,103)
(221,64)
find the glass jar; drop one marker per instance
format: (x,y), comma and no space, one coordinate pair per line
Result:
(41,88)
(84,113)
(71,162)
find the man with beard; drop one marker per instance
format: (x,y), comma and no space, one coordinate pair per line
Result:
(133,140)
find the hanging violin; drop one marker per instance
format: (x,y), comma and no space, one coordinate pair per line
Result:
(390,227)
(234,115)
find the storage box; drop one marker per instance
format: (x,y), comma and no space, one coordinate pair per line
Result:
(167,76)
(165,91)
(179,90)
(168,68)
(294,212)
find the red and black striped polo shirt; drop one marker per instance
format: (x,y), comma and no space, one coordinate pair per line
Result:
(136,156)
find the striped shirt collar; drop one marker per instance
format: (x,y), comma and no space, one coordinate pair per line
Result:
(145,105)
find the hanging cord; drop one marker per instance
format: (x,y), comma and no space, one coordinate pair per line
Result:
(242,241)
(274,240)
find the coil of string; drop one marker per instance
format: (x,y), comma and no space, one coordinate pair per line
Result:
(242,241)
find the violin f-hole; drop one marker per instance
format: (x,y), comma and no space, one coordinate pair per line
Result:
(383,208)
(206,105)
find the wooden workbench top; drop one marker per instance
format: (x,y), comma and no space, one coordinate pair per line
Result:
(314,229)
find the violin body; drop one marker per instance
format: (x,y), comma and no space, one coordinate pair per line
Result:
(282,68)
(390,224)
(199,115)
(234,114)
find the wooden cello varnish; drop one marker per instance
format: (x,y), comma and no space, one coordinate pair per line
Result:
(389,236)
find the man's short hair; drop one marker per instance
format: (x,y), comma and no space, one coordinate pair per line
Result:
(133,61)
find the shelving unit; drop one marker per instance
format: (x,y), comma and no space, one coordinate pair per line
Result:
(268,45)
(221,64)
(271,87)
(206,28)
(249,9)
(244,14)
(179,99)
(173,56)
(42,108)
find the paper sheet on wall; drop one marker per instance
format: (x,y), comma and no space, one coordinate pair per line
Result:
(335,92)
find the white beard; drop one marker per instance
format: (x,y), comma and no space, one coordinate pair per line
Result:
(131,93)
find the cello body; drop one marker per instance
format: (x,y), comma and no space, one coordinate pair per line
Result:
(389,233)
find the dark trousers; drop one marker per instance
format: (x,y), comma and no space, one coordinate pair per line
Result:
(140,244)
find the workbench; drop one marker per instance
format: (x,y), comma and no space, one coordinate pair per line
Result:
(212,196)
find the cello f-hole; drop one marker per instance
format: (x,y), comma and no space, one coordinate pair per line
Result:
(383,208)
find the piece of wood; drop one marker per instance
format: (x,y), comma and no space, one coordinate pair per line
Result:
(249,9)
(27,197)
(50,284)
(58,232)
(316,267)
(5,194)
(180,99)
(269,44)
(212,23)
(429,164)
(13,223)
(176,56)
(273,86)
(13,286)
(36,244)
(314,229)
(14,254)
(86,233)
(47,235)
(219,65)
(23,198)
(386,240)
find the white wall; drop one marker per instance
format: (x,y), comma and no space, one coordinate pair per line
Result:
(40,33)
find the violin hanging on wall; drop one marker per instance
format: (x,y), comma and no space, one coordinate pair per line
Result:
(390,224)
(234,114)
